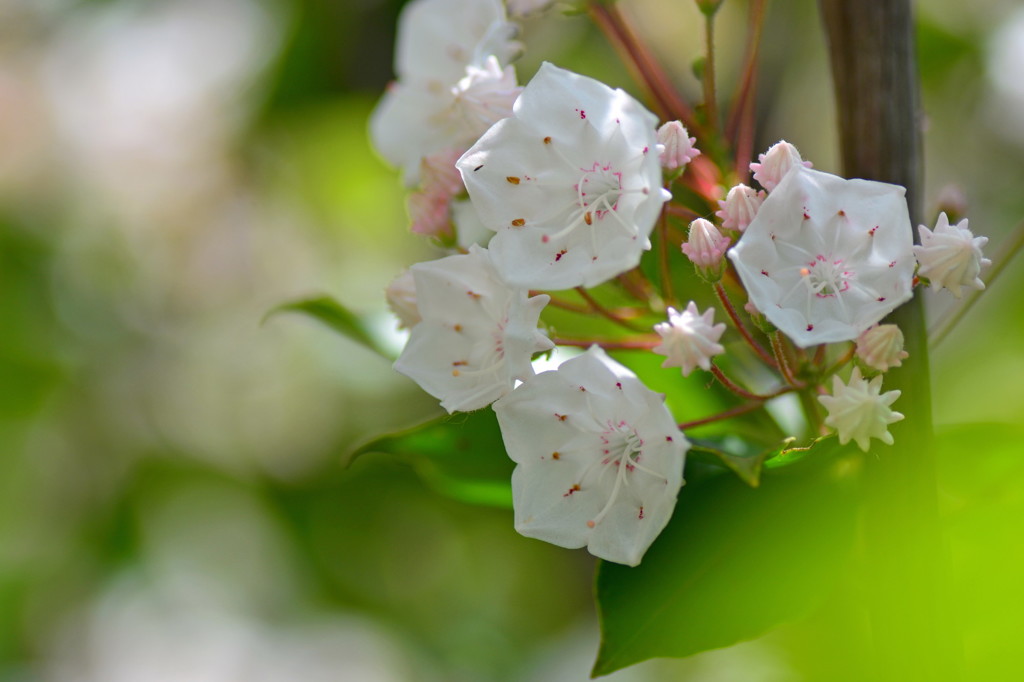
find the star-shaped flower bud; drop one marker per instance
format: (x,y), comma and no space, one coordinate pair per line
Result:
(739,207)
(950,257)
(451,85)
(678,144)
(705,247)
(881,347)
(571,182)
(689,339)
(859,411)
(825,258)
(477,334)
(775,163)
(599,458)
(401,299)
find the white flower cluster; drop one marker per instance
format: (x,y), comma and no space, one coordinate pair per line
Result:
(568,178)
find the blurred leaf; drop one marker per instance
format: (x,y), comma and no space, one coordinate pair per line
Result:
(337,317)
(733,563)
(460,456)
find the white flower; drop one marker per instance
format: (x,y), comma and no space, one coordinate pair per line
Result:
(401,298)
(705,247)
(522,8)
(468,227)
(571,182)
(825,258)
(881,347)
(739,207)
(951,256)
(775,163)
(859,411)
(451,86)
(679,149)
(477,335)
(600,459)
(689,338)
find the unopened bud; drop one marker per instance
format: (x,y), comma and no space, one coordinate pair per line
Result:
(739,207)
(881,347)
(706,247)
(775,163)
(679,149)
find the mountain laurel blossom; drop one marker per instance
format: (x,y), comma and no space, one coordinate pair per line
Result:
(739,207)
(451,84)
(705,247)
(599,458)
(679,146)
(859,411)
(571,182)
(476,336)
(775,163)
(950,256)
(825,258)
(881,347)
(689,339)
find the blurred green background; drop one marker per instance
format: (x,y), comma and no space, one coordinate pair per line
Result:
(172,501)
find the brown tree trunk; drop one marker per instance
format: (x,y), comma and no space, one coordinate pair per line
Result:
(871,46)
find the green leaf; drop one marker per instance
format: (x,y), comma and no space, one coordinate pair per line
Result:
(733,562)
(460,456)
(336,316)
(748,464)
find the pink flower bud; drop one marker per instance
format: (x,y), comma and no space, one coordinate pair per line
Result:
(679,149)
(775,163)
(881,347)
(706,247)
(739,207)
(439,174)
(429,213)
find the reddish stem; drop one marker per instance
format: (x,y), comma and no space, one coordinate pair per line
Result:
(740,125)
(723,296)
(633,344)
(744,393)
(840,363)
(596,307)
(681,212)
(721,416)
(647,70)
(780,356)
(666,269)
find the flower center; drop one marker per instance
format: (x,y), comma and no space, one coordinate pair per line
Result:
(826,277)
(621,447)
(598,191)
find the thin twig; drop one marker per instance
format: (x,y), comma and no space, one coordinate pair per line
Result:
(639,59)
(596,307)
(730,310)
(839,364)
(682,211)
(740,124)
(780,356)
(744,393)
(721,416)
(556,302)
(710,105)
(666,269)
(630,344)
